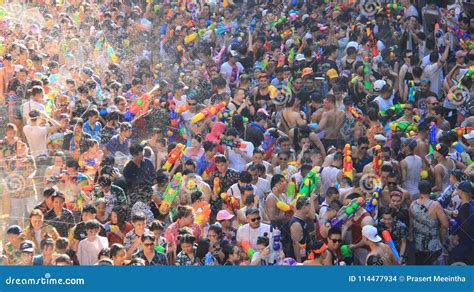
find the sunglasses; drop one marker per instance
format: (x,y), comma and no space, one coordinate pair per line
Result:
(434,103)
(336,240)
(255,219)
(391,183)
(191,104)
(148,244)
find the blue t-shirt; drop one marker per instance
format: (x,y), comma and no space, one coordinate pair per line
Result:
(114,145)
(93,131)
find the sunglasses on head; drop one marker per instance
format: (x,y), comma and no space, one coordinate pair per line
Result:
(255,219)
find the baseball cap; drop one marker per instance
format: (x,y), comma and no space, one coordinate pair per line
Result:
(379,84)
(370,232)
(332,73)
(34,114)
(27,246)
(251,211)
(469,136)
(380,137)
(224,215)
(234,53)
(466,186)
(14,229)
(410,142)
(299,57)
(308,71)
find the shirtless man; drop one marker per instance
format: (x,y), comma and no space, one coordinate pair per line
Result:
(331,122)
(278,185)
(292,117)
(377,248)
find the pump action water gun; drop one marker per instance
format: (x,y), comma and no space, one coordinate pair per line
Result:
(267,145)
(396,109)
(171,192)
(208,112)
(231,201)
(372,203)
(347,212)
(291,189)
(388,239)
(217,186)
(347,164)
(377,160)
(462,151)
(432,137)
(174,155)
(463,130)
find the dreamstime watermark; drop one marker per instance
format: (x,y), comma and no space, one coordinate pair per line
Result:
(370,7)
(458,94)
(45,280)
(270,16)
(15,182)
(369,182)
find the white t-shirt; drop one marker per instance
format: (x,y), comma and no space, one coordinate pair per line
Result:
(187,115)
(384,103)
(36,136)
(245,232)
(88,251)
(236,161)
(432,73)
(226,68)
(30,105)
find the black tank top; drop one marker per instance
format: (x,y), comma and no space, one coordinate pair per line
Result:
(262,97)
(304,240)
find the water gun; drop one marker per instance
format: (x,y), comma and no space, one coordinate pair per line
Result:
(439,37)
(191,38)
(294,14)
(291,189)
(203,215)
(174,155)
(309,183)
(403,126)
(159,248)
(210,168)
(347,164)
(453,226)
(355,113)
(347,212)
(267,145)
(373,43)
(464,37)
(411,92)
(346,251)
(291,56)
(231,201)
(367,83)
(462,151)
(172,109)
(377,160)
(183,131)
(432,137)
(275,247)
(252,24)
(285,207)
(313,125)
(463,130)
(171,192)
(217,185)
(111,54)
(249,251)
(396,109)
(208,112)
(225,115)
(232,144)
(278,21)
(388,239)
(141,105)
(182,108)
(51,97)
(370,207)
(157,71)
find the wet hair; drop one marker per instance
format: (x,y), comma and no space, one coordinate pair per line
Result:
(186,238)
(115,249)
(183,211)
(157,225)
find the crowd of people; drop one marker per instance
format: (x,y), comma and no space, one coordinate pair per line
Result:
(236,132)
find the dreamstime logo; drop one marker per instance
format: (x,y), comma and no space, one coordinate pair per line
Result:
(458,94)
(270,16)
(15,183)
(370,7)
(369,183)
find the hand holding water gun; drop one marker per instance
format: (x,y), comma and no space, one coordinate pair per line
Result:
(171,192)
(284,207)
(460,150)
(396,109)
(181,109)
(388,239)
(346,212)
(174,155)
(355,113)
(267,145)
(432,137)
(233,144)
(208,112)
(347,164)
(141,105)
(373,200)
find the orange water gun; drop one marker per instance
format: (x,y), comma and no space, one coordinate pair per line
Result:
(217,185)
(284,207)
(174,155)
(355,113)
(347,167)
(208,112)
(463,130)
(249,251)
(182,108)
(204,215)
(231,201)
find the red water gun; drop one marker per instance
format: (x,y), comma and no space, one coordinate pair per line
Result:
(174,155)
(141,105)
(377,161)
(249,251)
(355,113)
(208,112)
(347,168)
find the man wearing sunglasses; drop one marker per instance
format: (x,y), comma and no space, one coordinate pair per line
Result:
(334,245)
(392,185)
(253,229)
